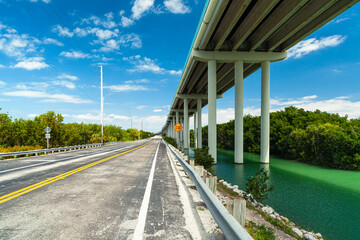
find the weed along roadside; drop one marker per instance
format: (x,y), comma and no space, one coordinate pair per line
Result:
(260,221)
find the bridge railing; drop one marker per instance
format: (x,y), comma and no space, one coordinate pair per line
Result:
(50,150)
(227,223)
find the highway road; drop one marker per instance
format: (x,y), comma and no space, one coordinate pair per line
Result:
(120,191)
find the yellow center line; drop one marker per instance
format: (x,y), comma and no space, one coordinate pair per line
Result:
(30,188)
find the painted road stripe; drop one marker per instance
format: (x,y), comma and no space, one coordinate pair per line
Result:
(22,191)
(140,226)
(80,157)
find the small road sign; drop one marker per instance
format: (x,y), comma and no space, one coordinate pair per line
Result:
(178,127)
(47,129)
(47,135)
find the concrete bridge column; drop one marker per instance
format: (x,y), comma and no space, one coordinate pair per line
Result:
(195,131)
(199,124)
(265,112)
(177,134)
(182,134)
(174,132)
(186,126)
(212,109)
(239,112)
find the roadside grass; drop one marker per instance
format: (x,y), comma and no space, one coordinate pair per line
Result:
(260,232)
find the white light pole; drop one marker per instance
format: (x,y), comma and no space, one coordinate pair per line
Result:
(102,106)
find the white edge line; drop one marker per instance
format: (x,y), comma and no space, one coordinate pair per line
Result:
(140,226)
(185,200)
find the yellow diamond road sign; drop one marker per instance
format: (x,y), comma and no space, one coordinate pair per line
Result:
(178,127)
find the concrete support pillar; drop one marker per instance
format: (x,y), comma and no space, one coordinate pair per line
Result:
(265,112)
(212,108)
(186,126)
(239,112)
(182,134)
(177,134)
(195,131)
(199,124)
(172,127)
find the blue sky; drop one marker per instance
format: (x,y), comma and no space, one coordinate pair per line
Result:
(51,50)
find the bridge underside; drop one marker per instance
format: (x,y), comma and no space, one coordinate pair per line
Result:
(248,34)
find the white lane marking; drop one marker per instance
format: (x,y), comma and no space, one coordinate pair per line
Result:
(190,221)
(63,159)
(140,226)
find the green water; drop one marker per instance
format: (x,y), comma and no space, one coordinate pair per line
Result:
(319,199)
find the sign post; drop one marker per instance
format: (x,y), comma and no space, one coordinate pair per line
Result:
(47,136)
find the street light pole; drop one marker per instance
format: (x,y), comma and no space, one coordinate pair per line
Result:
(102,106)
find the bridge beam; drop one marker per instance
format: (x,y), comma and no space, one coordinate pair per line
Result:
(197,96)
(239,111)
(233,56)
(199,125)
(265,113)
(212,139)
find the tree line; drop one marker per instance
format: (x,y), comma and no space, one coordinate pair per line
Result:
(314,137)
(22,132)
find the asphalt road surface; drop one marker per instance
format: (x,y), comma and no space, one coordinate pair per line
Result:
(122,191)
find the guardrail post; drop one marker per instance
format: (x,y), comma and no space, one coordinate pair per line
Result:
(213,184)
(192,163)
(239,211)
(199,170)
(230,205)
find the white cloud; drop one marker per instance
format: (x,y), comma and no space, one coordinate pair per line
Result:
(127,88)
(140,7)
(126,22)
(64,83)
(2,66)
(68,77)
(52,41)
(137,81)
(105,34)
(33,85)
(176,6)
(57,98)
(109,46)
(341,20)
(106,22)
(157,110)
(45,1)
(32,115)
(36,63)
(141,107)
(310,45)
(2,84)
(63,31)
(148,65)
(75,54)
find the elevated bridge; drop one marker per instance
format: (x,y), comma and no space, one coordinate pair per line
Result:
(233,40)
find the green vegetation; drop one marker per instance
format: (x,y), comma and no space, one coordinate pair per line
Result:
(317,137)
(170,140)
(21,132)
(227,190)
(260,232)
(258,187)
(284,227)
(202,157)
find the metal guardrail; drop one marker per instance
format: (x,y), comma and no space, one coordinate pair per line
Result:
(227,223)
(50,150)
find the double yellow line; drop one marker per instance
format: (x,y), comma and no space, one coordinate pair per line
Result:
(22,191)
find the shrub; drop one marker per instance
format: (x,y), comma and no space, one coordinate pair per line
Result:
(171,141)
(258,187)
(203,158)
